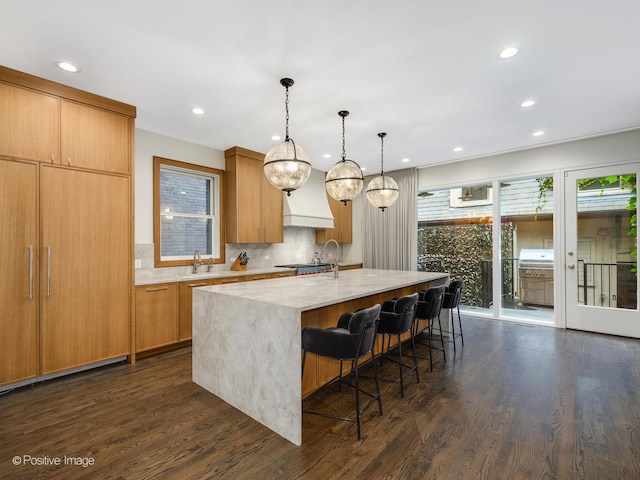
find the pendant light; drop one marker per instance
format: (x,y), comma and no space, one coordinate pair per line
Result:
(344,180)
(287,165)
(382,191)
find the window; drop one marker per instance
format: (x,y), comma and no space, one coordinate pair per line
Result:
(472,196)
(188,212)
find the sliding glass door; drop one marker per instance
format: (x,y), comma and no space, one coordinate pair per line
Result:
(456,234)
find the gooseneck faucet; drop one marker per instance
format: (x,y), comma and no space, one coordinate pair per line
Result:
(333,261)
(197,261)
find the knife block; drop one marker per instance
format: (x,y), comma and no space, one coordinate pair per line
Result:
(237,267)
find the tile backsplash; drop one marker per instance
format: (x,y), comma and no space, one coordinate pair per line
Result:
(298,247)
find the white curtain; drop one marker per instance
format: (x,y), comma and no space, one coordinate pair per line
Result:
(390,238)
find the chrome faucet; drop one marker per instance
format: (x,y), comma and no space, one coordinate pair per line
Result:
(333,261)
(197,261)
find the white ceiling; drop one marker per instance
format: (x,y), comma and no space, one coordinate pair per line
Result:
(424,71)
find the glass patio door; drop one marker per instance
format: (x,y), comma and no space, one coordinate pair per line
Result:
(600,254)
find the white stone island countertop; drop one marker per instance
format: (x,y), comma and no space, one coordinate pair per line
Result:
(246,337)
(307,292)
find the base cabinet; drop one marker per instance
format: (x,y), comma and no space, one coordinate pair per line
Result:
(156,316)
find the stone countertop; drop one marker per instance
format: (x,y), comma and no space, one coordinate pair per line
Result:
(314,291)
(172,276)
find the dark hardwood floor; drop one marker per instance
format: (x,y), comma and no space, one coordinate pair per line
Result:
(516,402)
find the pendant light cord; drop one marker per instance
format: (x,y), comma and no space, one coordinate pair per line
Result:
(286,107)
(344,155)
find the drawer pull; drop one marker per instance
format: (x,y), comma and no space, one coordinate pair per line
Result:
(193,285)
(259,278)
(231,281)
(157,289)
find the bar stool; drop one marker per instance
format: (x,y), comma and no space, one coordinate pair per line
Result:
(396,319)
(452,300)
(352,339)
(428,308)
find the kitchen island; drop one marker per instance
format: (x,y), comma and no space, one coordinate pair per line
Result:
(246,336)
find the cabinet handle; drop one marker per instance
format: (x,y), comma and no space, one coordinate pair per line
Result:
(30,272)
(193,285)
(53,158)
(259,278)
(284,275)
(48,271)
(157,289)
(231,281)
(69,161)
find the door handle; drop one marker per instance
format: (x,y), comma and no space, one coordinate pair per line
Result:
(571,266)
(30,272)
(48,271)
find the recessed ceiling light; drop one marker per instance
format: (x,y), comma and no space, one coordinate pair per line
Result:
(327,155)
(528,103)
(508,53)
(457,149)
(67,67)
(405,160)
(538,133)
(197,111)
(275,138)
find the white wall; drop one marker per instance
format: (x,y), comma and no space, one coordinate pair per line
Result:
(596,151)
(148,145)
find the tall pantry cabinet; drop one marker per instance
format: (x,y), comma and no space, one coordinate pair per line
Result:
(66,237)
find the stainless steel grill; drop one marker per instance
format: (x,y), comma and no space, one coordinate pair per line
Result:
(535,272)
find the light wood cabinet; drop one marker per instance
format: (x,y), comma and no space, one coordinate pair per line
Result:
(66,243)
(94,138)
(342,223)
(156,316)
(29,124)
(85,267)
(254,206)
(18,271)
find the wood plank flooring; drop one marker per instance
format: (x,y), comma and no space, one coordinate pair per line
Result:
(516,402)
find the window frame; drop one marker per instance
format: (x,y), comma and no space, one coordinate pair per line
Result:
(188,168)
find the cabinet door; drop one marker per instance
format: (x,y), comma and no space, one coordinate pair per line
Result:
(94,138)
(271,206)
(249,178)
(18,271)
(185,304)
(29,124)
(156,316)
(85,267)
(342,220)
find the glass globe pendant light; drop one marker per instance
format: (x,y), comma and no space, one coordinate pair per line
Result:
(382,192)
(287,165)
(344,180)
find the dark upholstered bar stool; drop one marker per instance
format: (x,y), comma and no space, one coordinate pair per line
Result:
(352,339)
(452,300)
(396,319)
(428,308)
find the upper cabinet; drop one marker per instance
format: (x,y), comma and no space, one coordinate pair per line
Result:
(29,124)
(93,138)
(253,205)
(62,125)
(342,223)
